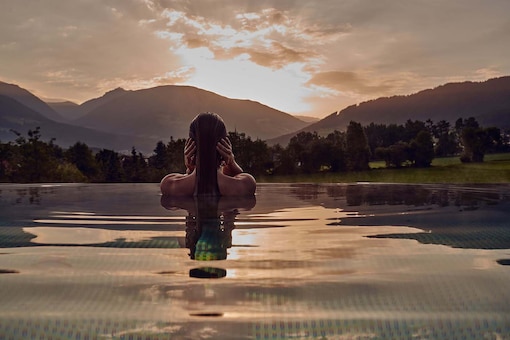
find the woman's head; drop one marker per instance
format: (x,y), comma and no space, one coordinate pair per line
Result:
(207,129)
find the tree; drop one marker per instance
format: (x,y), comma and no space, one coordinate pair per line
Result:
(6,161)
(413,128)
(110,167)
(35,160)
(135,167)
(260,158)
(174,154)
(475,140)
(394,155)
(300,149)
(357,150)
(82,157)
(160,159)
(253,156)
(422,149)
(160,162)
(335,151)
(283,163)
(446,140)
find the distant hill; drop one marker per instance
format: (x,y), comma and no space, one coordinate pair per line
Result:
(29,100)
(143,117)
(307,119)
(165,111)
(72,111)
(16,116)
(94,103)
(121,119)
(68,110)
(488,102)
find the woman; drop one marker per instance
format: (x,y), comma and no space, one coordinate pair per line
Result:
(211,168)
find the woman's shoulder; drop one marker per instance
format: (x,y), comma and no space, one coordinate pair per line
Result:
(242,184)
(178,184)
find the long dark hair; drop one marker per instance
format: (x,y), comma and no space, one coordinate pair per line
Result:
(207,129)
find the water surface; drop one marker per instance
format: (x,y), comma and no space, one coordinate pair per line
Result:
(299,261)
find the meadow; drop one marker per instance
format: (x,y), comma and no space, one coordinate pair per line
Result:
(495,169)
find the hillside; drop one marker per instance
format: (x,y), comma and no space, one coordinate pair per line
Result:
(16,116)
(68,110)
(165,111)
(488,102)
(29,100)
(143,117)
(72,111)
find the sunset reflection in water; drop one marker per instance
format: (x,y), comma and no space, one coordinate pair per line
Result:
(337,260)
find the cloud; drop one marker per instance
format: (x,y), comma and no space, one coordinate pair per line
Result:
(270,38)
(67,50)
(274,56)
(325,54)
(180,75)
(350,82)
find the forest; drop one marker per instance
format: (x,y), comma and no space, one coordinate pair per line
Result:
(31,159)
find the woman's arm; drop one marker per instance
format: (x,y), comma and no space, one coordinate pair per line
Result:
(233,181)
(176,184)
(190,154)
(230,168)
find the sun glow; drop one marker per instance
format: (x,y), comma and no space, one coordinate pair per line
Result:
(307,58)
(247,58)
(241,78)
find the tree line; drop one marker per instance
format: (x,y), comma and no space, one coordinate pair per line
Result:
(413,144)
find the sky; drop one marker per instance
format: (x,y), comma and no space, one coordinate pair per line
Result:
(301,57)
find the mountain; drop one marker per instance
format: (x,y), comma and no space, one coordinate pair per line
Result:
(72,111)
(92,104)
(121,119)
(66,109)
(29,100)
(18,117)
(488,102)
(165,111)
(307,119)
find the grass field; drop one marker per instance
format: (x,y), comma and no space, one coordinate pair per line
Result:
(495,169)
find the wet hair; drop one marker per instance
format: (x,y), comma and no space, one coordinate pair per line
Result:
(207,129)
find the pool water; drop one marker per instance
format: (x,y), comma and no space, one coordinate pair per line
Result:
(298,261)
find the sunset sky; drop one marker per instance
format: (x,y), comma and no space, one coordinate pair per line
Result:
(301,57)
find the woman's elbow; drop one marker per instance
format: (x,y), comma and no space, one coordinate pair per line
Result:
(167,184)
(250,184)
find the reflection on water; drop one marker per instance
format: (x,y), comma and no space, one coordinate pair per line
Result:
(504,262)
(452,215)
(209,226)
(303,261)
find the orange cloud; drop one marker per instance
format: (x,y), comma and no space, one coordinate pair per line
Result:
(350,82)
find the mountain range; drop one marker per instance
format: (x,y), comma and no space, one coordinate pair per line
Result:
(488,102)
(121,119)
(18,117)
(165,111)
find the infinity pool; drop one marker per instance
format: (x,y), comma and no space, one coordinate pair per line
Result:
(298,261)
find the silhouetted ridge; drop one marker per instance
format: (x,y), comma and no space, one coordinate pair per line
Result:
(18,117)
(29,100)
(166,111)
(488,102)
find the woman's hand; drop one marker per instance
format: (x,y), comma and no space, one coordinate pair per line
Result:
(190,152)
(230,167)
(224,147)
